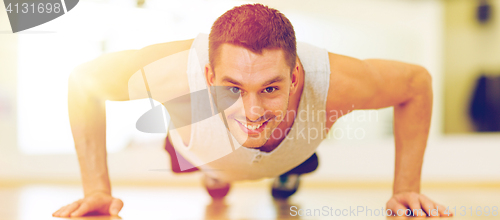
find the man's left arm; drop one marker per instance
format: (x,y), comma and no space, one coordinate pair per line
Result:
(374,84)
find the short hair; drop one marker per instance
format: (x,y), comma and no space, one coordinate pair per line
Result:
(254,27)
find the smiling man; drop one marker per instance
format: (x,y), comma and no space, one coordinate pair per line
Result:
(273,102)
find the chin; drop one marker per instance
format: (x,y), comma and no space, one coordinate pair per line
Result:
(253,144)
(250,142)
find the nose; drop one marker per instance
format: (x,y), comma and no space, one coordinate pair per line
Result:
(254,110)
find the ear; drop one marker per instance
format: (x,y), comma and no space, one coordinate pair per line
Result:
(209,75)
(295,76)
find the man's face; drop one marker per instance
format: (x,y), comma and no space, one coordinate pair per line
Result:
(259,85)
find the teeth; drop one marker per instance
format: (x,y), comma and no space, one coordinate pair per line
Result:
(251,127)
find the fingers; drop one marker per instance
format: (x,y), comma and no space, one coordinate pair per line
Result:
(66,210)
(434,209)
(394,206)
(115,207)
(72,207)
(56,214)
(428,205)
(418,204)
(442,210)
(82,210)
(415,207)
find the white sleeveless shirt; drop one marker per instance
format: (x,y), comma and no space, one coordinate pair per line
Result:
(210,148)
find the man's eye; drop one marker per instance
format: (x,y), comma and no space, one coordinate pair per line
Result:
(270,89)
(234,90)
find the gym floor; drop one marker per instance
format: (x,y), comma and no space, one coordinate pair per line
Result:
(29,202)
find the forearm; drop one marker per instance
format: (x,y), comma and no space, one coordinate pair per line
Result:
(411,129)
(88,125)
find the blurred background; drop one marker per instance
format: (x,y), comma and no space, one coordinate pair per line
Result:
(458,41)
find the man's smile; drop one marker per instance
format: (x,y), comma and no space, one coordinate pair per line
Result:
(252,128)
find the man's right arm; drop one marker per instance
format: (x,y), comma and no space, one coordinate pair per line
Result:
(109,78)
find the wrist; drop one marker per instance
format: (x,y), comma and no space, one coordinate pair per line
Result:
(406,188)
(96,191)
(406,182)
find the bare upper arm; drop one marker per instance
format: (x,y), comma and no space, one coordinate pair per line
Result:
(118,76)
(371,84)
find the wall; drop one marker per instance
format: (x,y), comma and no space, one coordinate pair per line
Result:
(470,48)
(409,31)
(8,69)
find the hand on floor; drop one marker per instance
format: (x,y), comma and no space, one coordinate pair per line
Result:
(96,203)
(422,205)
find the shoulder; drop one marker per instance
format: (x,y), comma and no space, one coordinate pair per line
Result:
(156,52)
(132,60)
(313,58)
(161,70)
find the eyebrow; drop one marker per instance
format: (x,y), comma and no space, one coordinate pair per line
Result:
(268,82)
